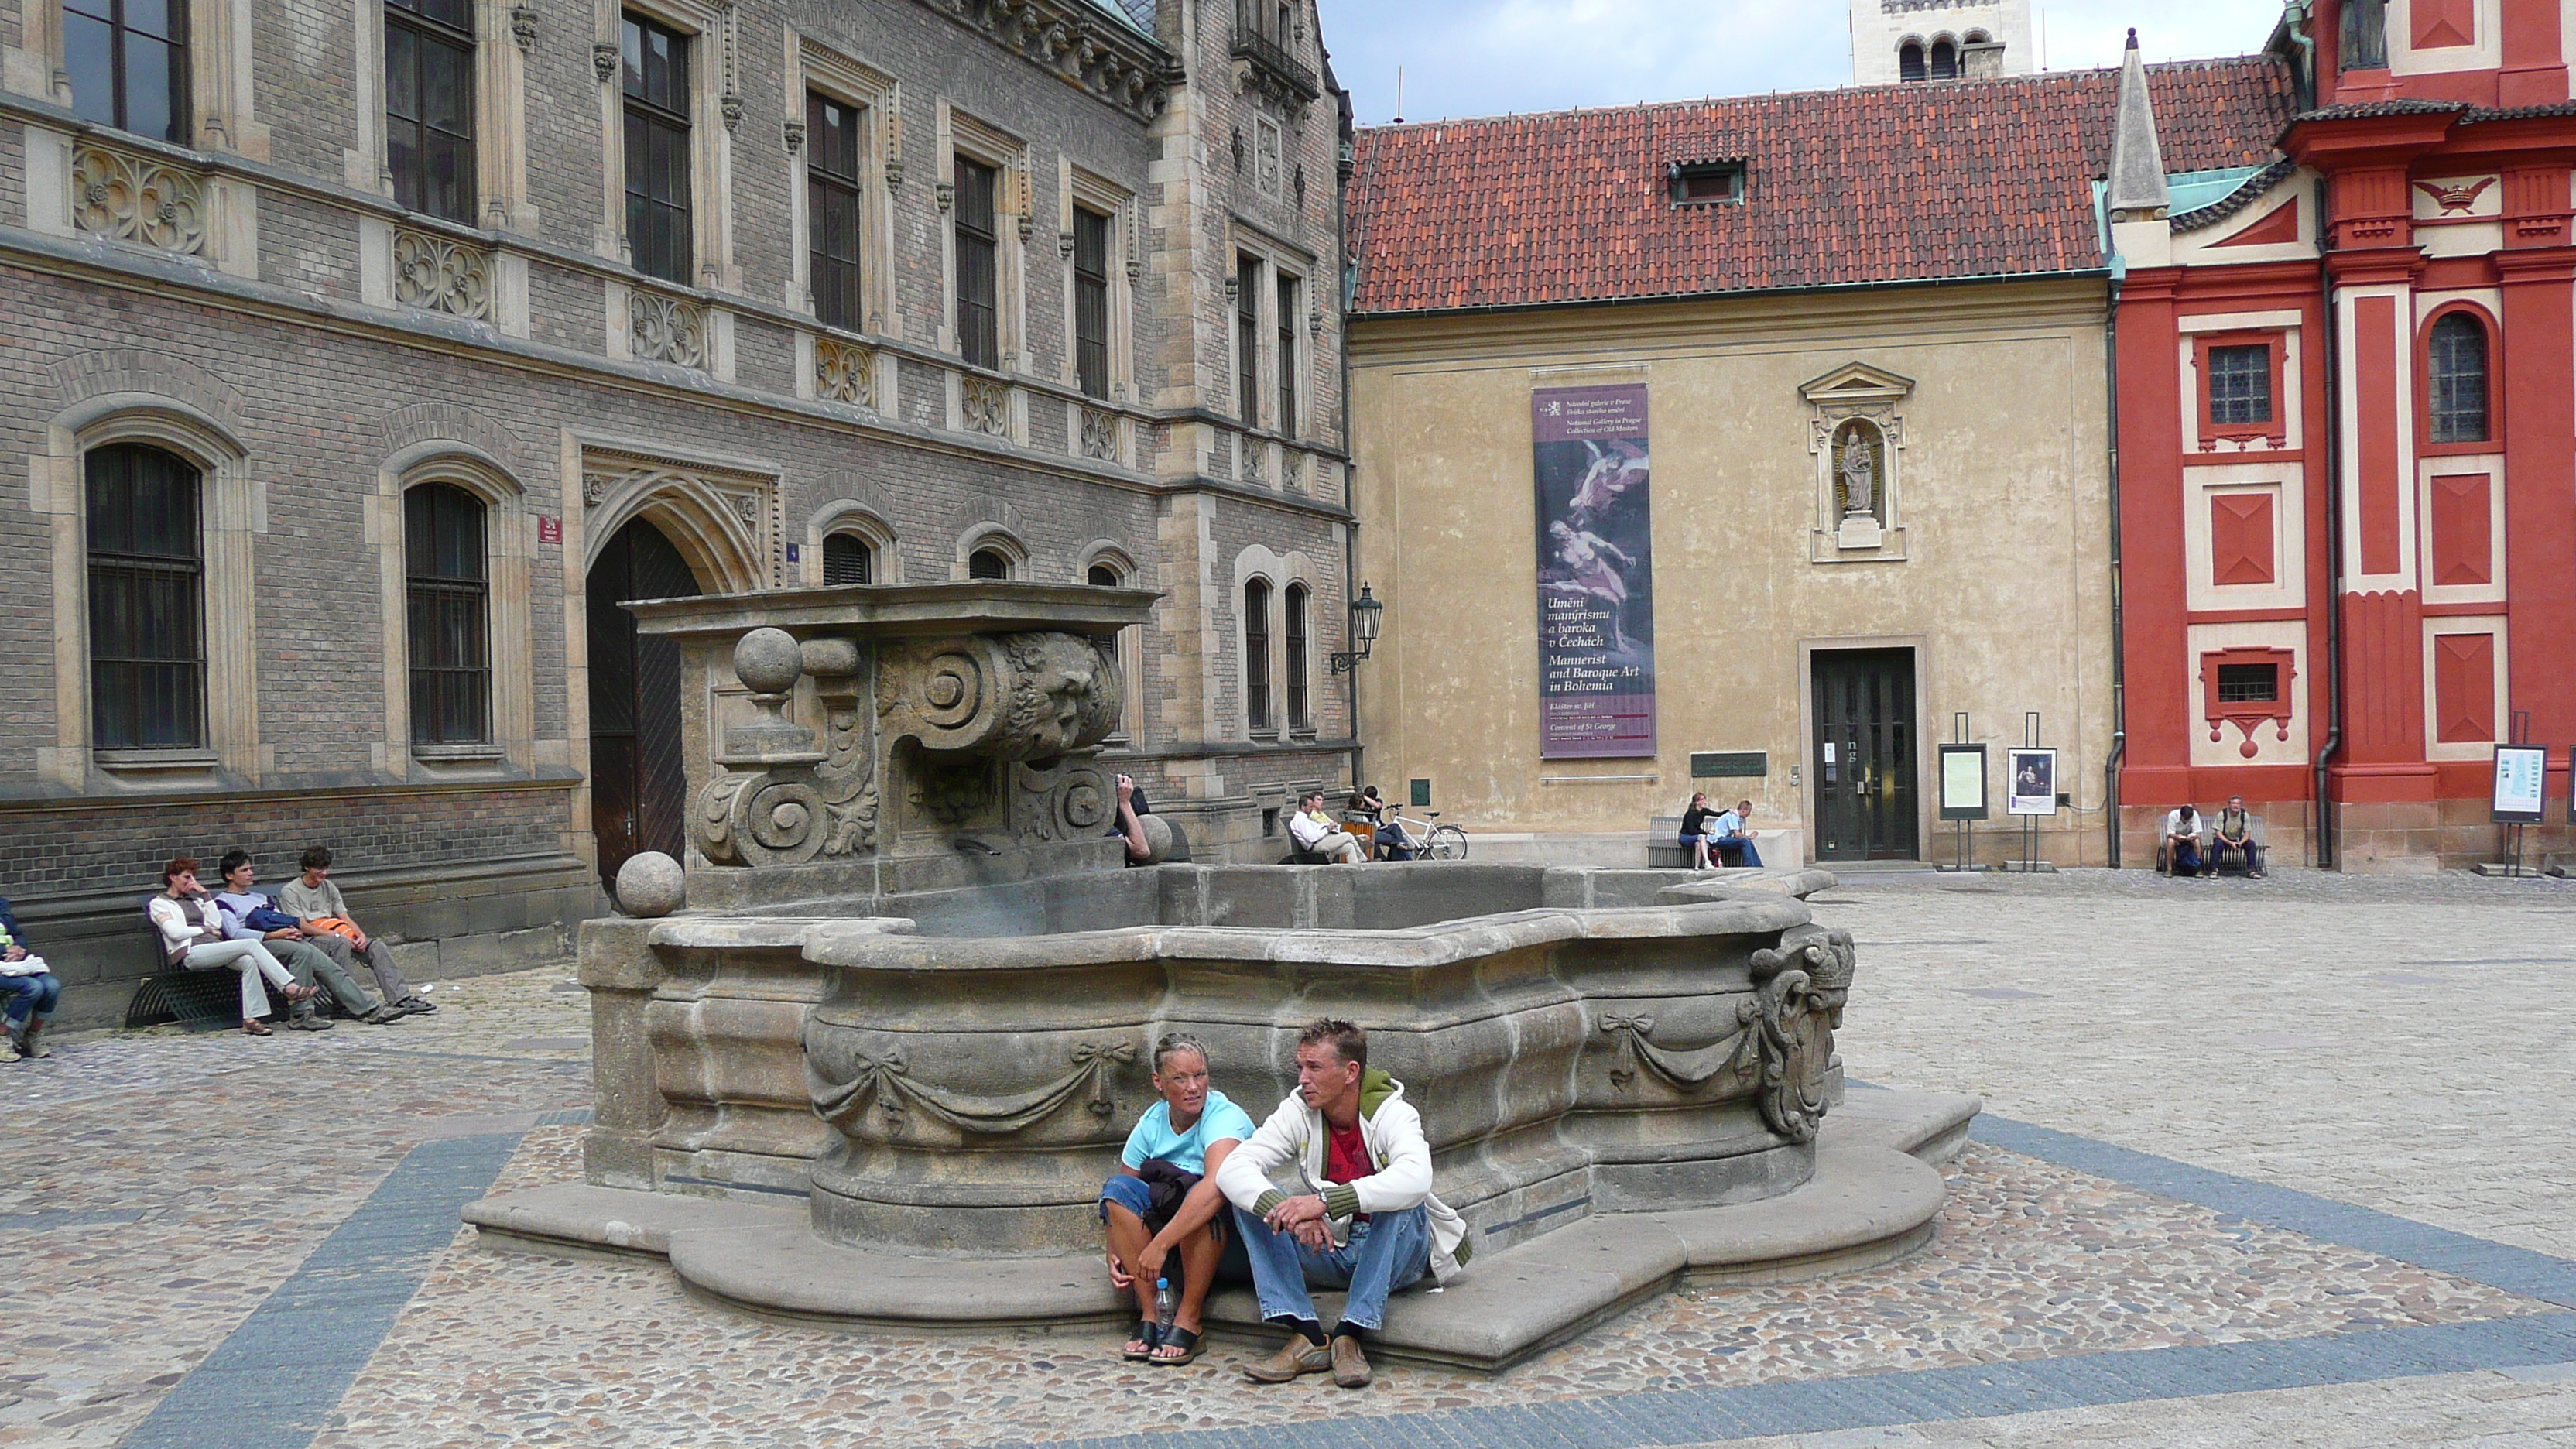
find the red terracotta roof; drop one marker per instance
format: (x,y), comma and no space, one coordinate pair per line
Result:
(1869,184)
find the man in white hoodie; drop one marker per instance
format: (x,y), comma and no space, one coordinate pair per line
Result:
(1366,1220)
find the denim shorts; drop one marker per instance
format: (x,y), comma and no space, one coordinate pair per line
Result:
(1137,1196)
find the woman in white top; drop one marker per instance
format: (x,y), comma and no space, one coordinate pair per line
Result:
(192,935)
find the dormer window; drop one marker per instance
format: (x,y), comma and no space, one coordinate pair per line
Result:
(1705,183)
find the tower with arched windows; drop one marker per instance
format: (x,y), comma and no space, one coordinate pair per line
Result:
(1931,40)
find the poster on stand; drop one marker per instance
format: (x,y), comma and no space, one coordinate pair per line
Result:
(1963,782)
(2521,784)
(1596,572)
(2034,783)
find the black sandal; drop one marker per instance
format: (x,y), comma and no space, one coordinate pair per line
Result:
(1186,1341)
(1147,1333)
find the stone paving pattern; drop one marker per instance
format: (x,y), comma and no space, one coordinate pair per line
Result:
(2407,1046)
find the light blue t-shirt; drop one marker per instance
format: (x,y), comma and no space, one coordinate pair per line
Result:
(1154,1139)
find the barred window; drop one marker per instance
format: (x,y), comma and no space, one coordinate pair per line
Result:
(988,563)
(2458,364)
(847,559)
(1091,301)
(657,149)
(1256,656)
(450,595)
(147,642)
(837,211)
(2240,385)
(979,316)
(1945,60)
(1909,62)
(429,105)
(1301,715)
(128,64)
(1104,576)
(2248,683)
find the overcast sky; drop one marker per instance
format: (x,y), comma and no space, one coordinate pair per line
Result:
(1485,57)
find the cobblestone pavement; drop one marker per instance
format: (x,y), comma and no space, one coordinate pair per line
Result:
(2406,1046)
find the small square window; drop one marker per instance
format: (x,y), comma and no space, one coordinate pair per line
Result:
(2240,385)
(1706,183)
(2249,683)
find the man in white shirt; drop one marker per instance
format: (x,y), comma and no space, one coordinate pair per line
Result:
(1729,838)
(2183,825)
(1316,834)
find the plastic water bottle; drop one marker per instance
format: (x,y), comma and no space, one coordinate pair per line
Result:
(1165,1305)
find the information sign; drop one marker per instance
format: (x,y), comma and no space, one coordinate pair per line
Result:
(2033,787)
(2521,784)
(1963,782)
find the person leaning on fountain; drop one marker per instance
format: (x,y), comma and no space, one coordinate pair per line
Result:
(1369,1222)
(1165,1199)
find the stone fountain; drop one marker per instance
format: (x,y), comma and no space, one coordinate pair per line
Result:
(876,1068)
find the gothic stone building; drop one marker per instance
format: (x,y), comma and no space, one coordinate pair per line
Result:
(362,363)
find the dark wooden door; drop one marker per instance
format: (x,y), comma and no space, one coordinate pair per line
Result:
(639,788)
(1864,755)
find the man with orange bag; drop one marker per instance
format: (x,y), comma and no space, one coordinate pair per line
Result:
(313,900)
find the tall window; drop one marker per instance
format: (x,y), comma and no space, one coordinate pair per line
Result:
(2458,364)
(988,563)
(451,647)
(1909,62)
(1247,338)
(1287,363)
(1301,715)
(1091,301)
(1256,656)
(147,642)
(128,63)
(657,149)
(847,559)
(2240,385)
(832,131)
(1945,60)
(979,265)
(2364,36)
(429,105)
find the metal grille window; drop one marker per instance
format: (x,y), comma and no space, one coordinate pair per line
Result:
(1091,301)
(147,641)
(1102,576)
(1256,656)
(988,563)
(451,651)
(2248,683)
(2240,385)
(2458,364)
(657,149)
(429,105)
(1909,62)
(128,64)
(1287,361)
(1300,713)
(848,560)
(1247,340)
(1945,60)
(837,209)
(979,265)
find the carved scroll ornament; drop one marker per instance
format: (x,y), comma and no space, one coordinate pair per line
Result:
(1007,696)
(780,802)
(1783,1042)
(846,1083)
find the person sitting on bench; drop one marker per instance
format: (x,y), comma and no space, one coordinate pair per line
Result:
(31,989)
(249,917)
(191,927)
(2182,839)
(1695,829)
(318,907)
(1315,834)
(1732,842)
(2235,832)
(1164,1200)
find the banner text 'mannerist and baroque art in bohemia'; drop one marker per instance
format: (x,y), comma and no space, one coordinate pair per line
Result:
(1596,593)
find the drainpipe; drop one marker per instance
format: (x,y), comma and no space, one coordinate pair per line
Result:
(2324,852)
(2119,646)
(1350,445)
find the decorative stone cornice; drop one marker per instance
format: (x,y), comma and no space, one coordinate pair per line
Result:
(1076,41)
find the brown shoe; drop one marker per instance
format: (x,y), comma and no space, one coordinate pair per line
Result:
(1350,1366)
(1294,1357)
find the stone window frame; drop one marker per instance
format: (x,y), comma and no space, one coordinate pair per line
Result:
(2435,318)
(715,106)
(221,99)
(1278,260)
(813,67)
(858,520)
(1008,155)
(500,117)
(510,551)
(232,512)
(992,536)
(1131,640)
(1281,571)
(1076,187)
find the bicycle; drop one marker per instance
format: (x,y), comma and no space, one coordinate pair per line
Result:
(1431,841)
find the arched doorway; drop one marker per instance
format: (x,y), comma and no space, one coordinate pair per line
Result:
(639,786)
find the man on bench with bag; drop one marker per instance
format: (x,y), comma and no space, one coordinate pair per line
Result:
(317,906)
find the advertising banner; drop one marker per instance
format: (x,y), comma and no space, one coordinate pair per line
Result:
(1596,579)
(2034,782)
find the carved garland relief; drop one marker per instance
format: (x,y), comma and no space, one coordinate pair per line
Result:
(1783,1042)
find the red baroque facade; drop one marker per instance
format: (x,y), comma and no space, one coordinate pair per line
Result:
(2346,398)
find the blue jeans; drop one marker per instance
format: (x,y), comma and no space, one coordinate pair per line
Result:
(1750,857)
(1391,1251)
(30,995)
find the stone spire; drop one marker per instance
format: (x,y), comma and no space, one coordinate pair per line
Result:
(2137,189)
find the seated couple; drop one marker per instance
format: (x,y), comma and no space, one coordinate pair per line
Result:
(1704,830)
(305,938)
(1195,1182)
(1316,834)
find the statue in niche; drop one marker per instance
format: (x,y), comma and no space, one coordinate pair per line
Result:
(1860,484)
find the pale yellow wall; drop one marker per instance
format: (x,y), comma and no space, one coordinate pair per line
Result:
(2004,493)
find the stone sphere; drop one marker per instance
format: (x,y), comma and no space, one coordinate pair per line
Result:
(650,885)
(1158,838)
(767,661)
